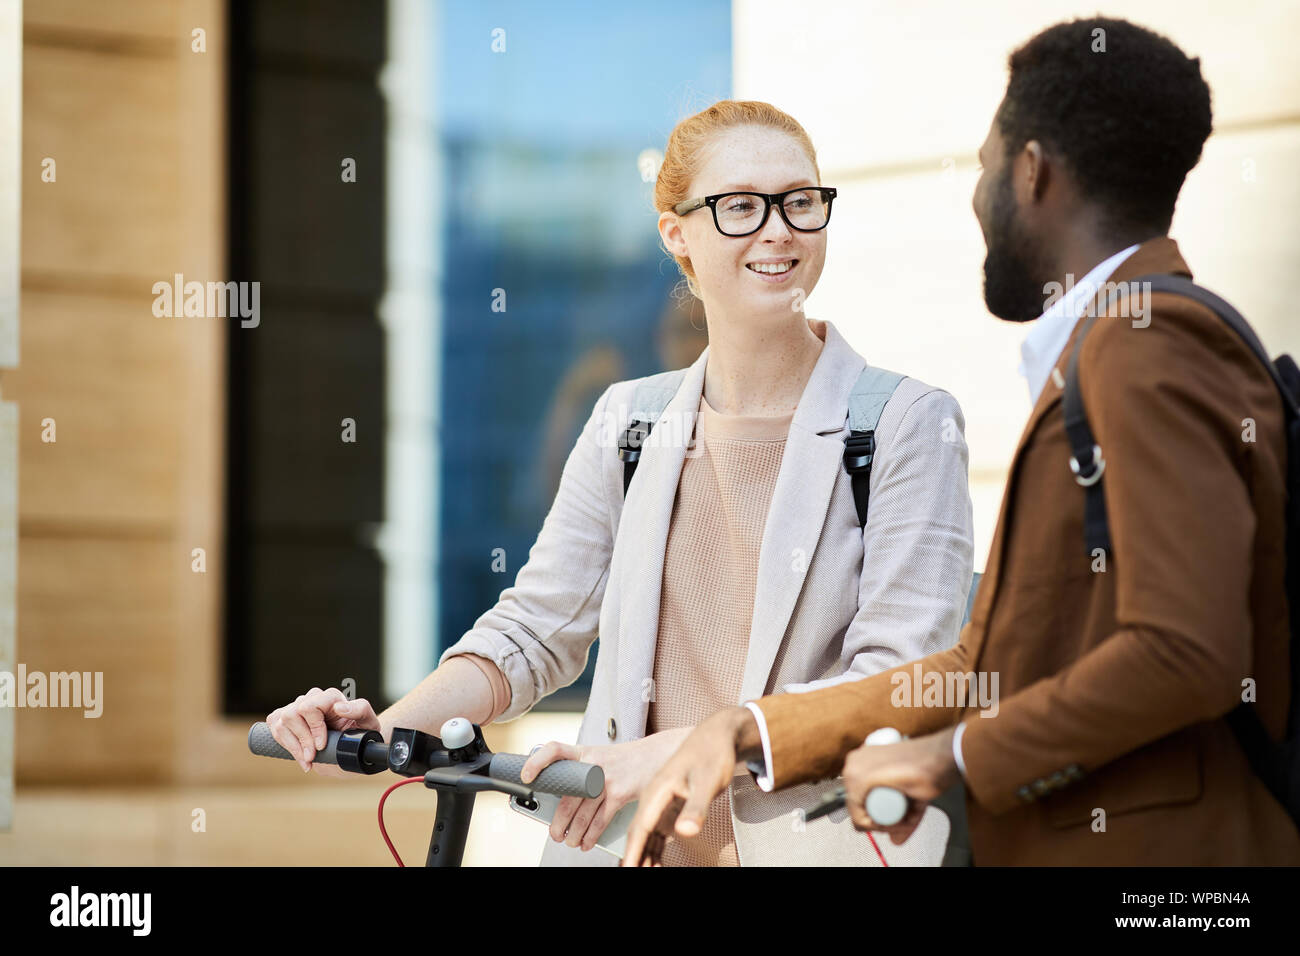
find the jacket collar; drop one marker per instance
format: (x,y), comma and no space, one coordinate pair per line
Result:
(1154,255)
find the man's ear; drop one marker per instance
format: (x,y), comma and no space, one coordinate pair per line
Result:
(670,231)
(1031,172)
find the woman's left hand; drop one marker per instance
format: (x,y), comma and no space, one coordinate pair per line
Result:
(579,822)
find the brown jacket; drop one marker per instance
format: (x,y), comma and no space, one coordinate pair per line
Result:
(1113,684)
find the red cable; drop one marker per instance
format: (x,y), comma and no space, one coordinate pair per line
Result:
(401,783)
(872,838)
(384,832)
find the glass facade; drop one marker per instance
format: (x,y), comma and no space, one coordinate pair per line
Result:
(555,284)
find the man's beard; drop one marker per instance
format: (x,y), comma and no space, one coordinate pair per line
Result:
(1014,269)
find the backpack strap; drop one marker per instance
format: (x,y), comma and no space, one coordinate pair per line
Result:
(871,392)
(1086,459)
(649,400)
(1277,765)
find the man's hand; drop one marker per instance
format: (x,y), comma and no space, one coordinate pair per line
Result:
(920,767)
(678,798)
(628,768)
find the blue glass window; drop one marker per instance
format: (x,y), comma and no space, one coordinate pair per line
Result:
(544,200)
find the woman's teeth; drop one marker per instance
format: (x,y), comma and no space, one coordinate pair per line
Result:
(771,268)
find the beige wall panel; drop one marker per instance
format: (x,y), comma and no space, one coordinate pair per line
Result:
(99,605)
(887,82)
(106,370)
(8,596)
(146,19)
(113,126)
(11,118)
(1236,226)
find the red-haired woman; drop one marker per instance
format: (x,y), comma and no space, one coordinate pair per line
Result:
(735,563)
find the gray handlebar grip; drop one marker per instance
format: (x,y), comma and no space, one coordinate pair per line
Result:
(261,742)
(564,778)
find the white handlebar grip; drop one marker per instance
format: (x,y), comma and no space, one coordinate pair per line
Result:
(885,805)
(456,733)
(885,735)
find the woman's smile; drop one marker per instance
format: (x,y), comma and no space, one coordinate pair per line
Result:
(773,270)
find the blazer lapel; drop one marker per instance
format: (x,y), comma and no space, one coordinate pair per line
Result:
(643,535)
(810,466)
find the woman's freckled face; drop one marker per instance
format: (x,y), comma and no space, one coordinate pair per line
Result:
(753,159)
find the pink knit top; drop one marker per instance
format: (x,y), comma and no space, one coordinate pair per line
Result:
(707,603)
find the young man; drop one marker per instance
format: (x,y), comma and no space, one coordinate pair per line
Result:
(1116,668)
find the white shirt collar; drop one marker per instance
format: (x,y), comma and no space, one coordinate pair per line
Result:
(1047,336)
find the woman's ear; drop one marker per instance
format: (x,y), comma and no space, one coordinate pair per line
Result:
(670,231)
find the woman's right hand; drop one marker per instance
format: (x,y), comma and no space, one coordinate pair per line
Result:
(302,727)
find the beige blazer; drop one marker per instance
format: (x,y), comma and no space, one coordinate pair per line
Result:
(833,602)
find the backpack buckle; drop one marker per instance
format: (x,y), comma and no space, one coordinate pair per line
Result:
(629,446)
(859,449)
(1089,472)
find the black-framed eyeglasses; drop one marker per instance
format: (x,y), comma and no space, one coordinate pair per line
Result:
(806,209)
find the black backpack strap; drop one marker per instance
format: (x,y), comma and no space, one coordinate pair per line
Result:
(859,452)
(629,449)
(1086,459)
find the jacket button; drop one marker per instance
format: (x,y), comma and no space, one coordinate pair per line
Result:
(1042,787)
(1073,772)
(1057,780)
(611,729)
(1024,794)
